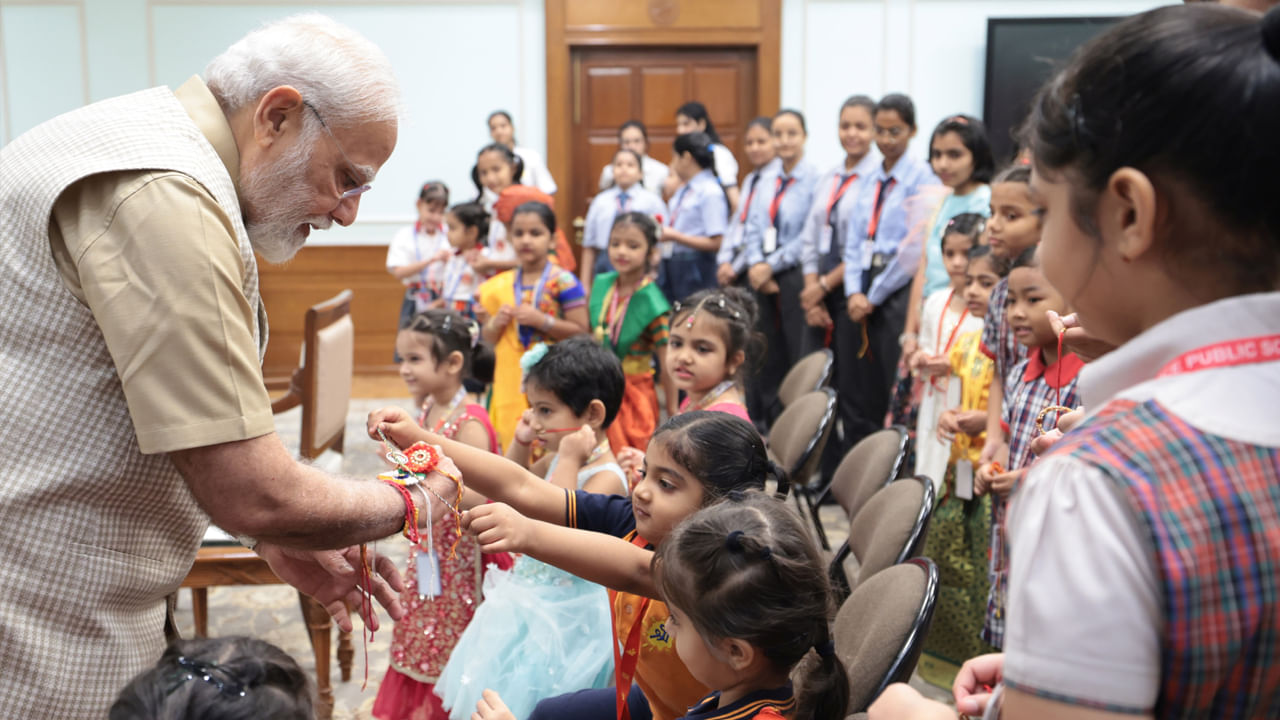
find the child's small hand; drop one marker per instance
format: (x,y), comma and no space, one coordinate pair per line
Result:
(530,316)
(442,255)
(1078,340)
(811,295)
(859,307)
(770,288)
(491,707)
(972,422)
(1045,442)
(524,428)
(948,425)
(472,256)
(577,445)
(817,316)
(725,274)
(498,528)
(758,275)
(982,477)
(503,316)
(1003,483)
(934,365)
(631,460)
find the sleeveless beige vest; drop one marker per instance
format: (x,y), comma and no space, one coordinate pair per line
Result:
(93,534)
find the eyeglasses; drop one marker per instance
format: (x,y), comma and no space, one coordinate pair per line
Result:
(358,189)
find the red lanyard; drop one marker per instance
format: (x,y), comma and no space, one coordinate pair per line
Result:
(624,661)
(615,317)
(778,191)
(837,191)
(755,178)
(882,189)
(1230,353)
(944,349)
(675,211)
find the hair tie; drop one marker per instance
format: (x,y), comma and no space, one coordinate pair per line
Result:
(736,496)
(473,329)
(447,325)
(1271,34)
(826,649)
(733,543)
(532,357)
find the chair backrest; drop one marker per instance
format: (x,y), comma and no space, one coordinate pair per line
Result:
(325,383)
(868,466)
(800,432)
(891,527)
(880,628)
(812,372)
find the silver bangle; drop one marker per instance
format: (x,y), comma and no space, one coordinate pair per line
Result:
(550,323)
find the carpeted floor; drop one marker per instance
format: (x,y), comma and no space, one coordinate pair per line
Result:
(272,613)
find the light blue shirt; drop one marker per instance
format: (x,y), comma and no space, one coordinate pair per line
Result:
(935,272)
(731,246)
(699,208)
(793,210)
(909,175)
(608,204)
(824,188)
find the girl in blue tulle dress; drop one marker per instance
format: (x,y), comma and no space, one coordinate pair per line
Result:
(541,631)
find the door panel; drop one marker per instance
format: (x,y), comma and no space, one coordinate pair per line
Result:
(615,85)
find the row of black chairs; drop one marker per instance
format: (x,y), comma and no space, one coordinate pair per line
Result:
(887,591)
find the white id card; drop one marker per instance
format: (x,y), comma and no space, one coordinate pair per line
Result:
(824,239)
(770,240)
(868,250)
(428,569)
(964,480)
(668,248)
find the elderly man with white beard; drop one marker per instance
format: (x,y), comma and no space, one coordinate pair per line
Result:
(132,407)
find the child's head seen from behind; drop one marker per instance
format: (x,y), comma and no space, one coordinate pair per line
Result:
(228,678)
(749,597)
(574,382)
(713,339)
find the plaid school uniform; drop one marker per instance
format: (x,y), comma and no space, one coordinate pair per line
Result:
(1211,506)
(1030,387)
(998,342)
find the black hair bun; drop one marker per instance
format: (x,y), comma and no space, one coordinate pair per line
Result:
(1271,33)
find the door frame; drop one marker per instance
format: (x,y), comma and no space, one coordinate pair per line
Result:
(765,37)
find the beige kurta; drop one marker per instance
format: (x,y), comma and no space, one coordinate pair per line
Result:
(130,326)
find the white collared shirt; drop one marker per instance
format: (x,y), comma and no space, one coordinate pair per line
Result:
(1085,600)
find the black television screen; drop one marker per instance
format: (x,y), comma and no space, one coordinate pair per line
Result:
(1021,54)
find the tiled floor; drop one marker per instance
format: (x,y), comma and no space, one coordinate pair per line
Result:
(271,612)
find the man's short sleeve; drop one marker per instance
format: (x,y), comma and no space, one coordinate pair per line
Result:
(609,514)
(1084,600)
(158,263)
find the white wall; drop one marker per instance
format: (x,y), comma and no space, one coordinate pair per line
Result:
(459,59)
(932,50)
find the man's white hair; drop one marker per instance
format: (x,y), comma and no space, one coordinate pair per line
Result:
(339,71)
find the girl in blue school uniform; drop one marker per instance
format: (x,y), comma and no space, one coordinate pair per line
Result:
(821,256)
(881,251)
(626,195)
(699,216)
(772,244)
(757,145)
(1172,477)
(692,117)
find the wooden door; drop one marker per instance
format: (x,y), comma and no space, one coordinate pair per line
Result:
(612,86)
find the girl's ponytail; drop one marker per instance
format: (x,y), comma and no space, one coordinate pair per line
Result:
(822,690)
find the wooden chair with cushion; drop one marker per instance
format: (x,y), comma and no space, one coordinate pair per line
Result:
(869,465)
(812,372)
(798,436)
(888,529)
(322,387)
(880,629)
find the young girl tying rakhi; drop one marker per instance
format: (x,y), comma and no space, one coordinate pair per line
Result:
(692,460)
